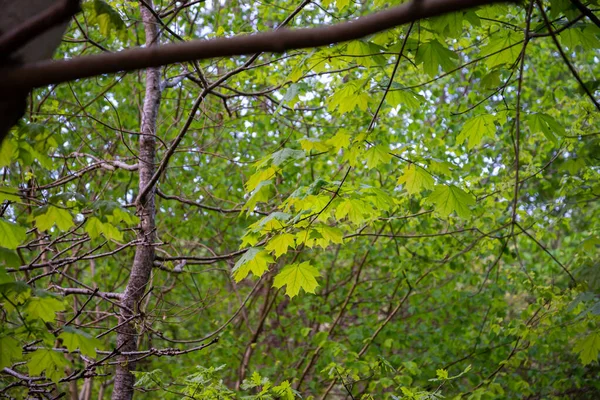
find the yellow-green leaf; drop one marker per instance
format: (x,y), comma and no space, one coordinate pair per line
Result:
(376,155)
(279,244)
(296,276)
(340,140)
(447,199)
(74,339)
(44,308)
(588,348)
(48,361)
(255,260)
(54,215)
(476,128)
(415,179)
(356,210)
(258,177)
(11,235)
(10,351)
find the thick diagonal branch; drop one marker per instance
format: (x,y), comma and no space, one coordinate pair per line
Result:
(46,73)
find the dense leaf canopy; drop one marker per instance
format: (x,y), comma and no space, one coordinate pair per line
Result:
(410,215)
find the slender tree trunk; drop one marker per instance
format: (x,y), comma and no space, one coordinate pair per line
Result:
(144,254)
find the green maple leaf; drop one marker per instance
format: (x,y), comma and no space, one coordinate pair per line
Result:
(447,199)
(296,276)
(74,339)
(262,193)
(405,98)
(50,362)
(360,100)
(10,351)
(415,179)
(340,140)
(54,215)
(376,155)
(341,96)
(94,227)
(106,18)
(433,55)
(379,198)
(258,177)
(545,124)
(330,234)
(44,308)
(11,235)
(506,47)
(368,53)
(9,194)
(280,244)
(341,4)
(448,25)
(283,155)
(255,260)
(317,145)
(8,152)
(475,129)
(355,209)
(588,348)
(584,37)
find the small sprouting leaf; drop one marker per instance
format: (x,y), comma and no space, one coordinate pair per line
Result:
(296,276)
(54,215)
(10,351)
(11,235)
(74,339)
(376,155)
(48,361)
(285,391)
(434,55)
(447,199)
(280,244)
(442,374)
(415,179)
(475,129)
(255,260)
(588,348)
(44,308)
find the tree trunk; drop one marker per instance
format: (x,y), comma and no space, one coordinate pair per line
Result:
(144,254)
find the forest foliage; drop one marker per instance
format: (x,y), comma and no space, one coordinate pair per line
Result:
(411,215)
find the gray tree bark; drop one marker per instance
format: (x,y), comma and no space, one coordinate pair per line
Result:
(144,254)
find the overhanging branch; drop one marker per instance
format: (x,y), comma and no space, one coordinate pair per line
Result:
(51,72)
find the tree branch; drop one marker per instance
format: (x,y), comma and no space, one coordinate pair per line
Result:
(15,39)
(49,72)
